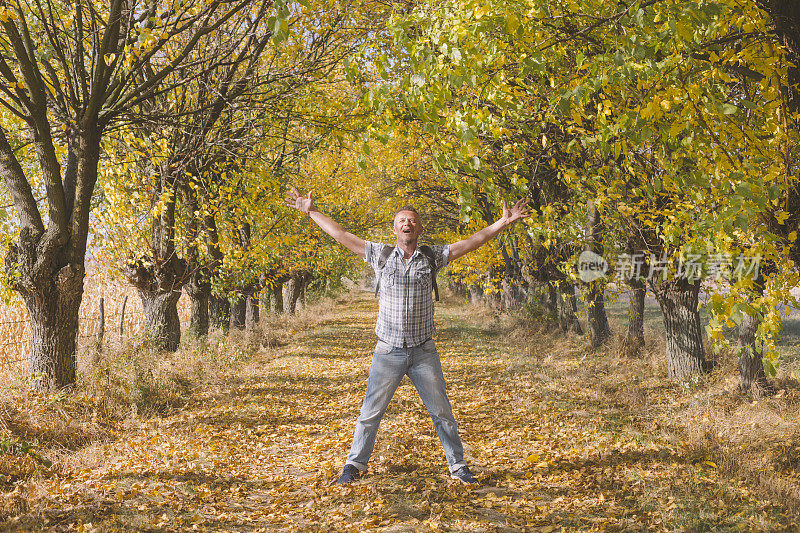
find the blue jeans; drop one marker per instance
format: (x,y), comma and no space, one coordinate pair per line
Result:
(389,365)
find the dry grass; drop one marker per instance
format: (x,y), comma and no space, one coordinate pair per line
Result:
(523,389)
(15,331)
(756,442)
(121,386)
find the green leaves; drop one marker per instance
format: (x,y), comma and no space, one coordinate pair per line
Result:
(650,110)
(279,23)
(14,446)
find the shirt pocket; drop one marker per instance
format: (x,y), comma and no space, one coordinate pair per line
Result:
(388,277)
(423,278)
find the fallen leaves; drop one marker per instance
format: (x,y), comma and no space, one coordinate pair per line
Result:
(262,453)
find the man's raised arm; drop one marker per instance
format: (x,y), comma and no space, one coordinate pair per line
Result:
(305,204)
(476,240)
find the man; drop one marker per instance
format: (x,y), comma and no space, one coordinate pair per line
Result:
(405,326)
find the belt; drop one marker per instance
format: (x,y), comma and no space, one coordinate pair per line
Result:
(405,345)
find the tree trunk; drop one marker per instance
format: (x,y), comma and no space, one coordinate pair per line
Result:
(302,298)
(634,338)
(599,329)
(252,313)
(751,367)
(239,312)
(276,298)
(306,277)
(494,299)
(264,293)
(198,287)
(291,294)
(53,317)
(46,264)
(476,293)
(512,295)
(753,378)
(785,15)
(159,284)
(678,300)
(219,310)
(265,300)
(199,293)
(159,277)
(568,312)
(161,313)
(551,303)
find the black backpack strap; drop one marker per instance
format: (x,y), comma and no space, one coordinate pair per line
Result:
(385,253)
(427,251)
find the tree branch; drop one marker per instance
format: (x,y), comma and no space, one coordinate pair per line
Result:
(17,183)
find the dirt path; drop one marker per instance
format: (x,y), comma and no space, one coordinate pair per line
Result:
(262,454)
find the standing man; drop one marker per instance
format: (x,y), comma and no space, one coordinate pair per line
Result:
(405,326)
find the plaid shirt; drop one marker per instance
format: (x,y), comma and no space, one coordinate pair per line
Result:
(405,308)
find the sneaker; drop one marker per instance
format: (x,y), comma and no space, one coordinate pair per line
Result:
(349,474)
(464,476)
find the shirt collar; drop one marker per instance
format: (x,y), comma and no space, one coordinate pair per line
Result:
(398,251)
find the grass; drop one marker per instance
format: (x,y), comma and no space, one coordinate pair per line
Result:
(755,442)
(248,432)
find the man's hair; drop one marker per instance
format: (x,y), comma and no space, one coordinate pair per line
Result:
(407,208)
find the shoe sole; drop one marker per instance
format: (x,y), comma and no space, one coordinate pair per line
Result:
(464,482)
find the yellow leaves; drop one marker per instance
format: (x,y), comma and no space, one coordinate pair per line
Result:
(512,22)
(109,59)
(87,527)
(260,444)
(722,75)
(16,467)
(781,216)
(6,14)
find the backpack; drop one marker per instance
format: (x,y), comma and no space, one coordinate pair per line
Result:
(424,249)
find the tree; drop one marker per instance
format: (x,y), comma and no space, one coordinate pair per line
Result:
(229,139)
(70,72)
(629,102)
(181,147)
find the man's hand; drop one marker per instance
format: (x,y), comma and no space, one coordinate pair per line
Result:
(304,204)
(475,241)
(519,211)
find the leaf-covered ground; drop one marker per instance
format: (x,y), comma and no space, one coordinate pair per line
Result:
(260,452)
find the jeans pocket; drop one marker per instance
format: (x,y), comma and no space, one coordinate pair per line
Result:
(382,348)
(429,346)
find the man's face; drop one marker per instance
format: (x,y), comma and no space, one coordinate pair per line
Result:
(407,227)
